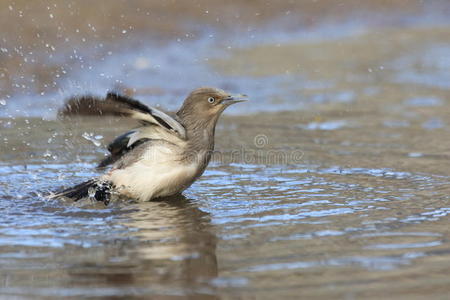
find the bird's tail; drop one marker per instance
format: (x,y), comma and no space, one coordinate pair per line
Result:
(99,190)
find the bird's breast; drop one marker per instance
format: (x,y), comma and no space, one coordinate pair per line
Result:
(159,173)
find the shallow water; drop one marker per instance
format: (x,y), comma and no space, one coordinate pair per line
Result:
(326,229)
(332,183)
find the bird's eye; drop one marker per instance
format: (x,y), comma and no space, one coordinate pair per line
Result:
(211,100)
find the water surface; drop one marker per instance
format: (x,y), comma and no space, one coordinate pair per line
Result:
(332,183)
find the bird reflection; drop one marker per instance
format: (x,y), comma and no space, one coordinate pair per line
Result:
(169,249)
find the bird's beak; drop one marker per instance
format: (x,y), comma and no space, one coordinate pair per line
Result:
(231,99)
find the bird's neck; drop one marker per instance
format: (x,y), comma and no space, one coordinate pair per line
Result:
(200,132)
(200,139)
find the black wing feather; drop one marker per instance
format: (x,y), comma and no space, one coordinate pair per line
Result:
(119,147)
(114,104)
(119,105)
(135,105)
(128,102)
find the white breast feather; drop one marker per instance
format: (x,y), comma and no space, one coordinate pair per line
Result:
(159,173)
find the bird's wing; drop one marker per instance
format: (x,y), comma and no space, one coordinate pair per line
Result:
(119,105)
(130,140)
(157,125)
(154,152)
(119,147)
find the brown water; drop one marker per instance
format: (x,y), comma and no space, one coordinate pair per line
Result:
(333,182)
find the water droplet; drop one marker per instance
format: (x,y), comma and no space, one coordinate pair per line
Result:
(90,137)
(91,192)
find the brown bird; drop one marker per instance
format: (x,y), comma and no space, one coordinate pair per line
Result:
(161,158)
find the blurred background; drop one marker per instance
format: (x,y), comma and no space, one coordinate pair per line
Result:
(340,185)
(280,52)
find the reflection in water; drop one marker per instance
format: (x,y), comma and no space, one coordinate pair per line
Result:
(153,248)
(170,250)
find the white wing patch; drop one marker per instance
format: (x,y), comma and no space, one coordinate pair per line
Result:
(157,117)
(154,133)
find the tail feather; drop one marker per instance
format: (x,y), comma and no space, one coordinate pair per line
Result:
(100,191)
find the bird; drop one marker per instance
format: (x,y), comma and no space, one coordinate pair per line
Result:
(160,158)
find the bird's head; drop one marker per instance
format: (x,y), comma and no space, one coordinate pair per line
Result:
(207,103)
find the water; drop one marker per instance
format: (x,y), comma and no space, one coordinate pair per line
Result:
(332,183)
(245,222)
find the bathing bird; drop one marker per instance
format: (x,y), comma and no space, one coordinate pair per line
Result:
(163,156)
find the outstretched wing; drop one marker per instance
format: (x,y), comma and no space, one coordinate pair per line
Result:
(134,138)
(120,105)
(157,125)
